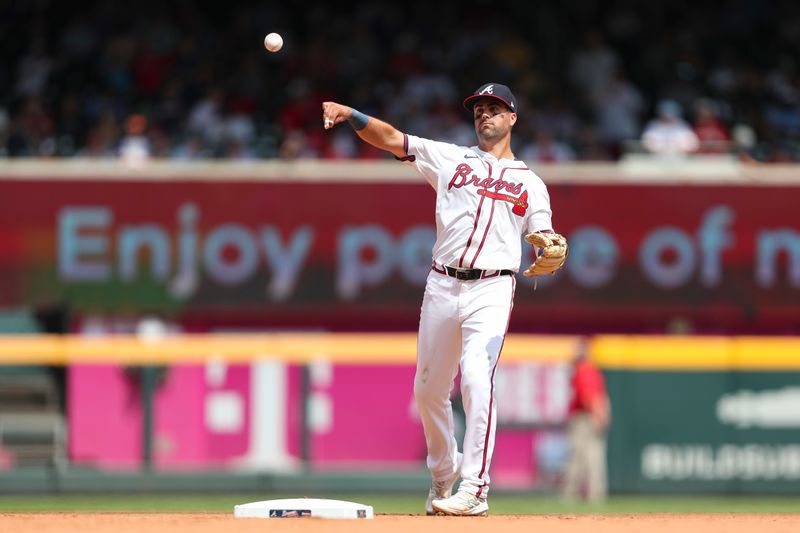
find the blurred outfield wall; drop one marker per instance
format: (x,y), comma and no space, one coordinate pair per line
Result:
(703,414)
(691,414)
(282,404)
(346,246)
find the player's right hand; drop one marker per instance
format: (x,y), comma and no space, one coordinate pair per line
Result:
(333,114)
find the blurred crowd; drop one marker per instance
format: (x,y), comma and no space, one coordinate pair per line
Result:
(594,79)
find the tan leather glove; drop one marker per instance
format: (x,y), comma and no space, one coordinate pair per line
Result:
(551,252)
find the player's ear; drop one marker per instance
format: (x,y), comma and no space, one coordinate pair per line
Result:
(513,118)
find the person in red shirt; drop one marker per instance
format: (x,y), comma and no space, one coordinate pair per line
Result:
(712,133)
(588,419)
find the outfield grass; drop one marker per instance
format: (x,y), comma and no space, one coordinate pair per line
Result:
(403,504)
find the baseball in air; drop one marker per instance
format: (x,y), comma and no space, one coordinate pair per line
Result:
(273,42)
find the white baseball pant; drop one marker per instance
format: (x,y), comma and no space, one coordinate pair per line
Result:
(462,325)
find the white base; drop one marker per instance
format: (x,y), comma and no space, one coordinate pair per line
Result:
(303,507)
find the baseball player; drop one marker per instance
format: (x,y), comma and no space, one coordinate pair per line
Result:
(485,199)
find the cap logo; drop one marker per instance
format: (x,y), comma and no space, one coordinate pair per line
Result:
(496,91)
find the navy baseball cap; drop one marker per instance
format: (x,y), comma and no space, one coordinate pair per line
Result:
(492,90)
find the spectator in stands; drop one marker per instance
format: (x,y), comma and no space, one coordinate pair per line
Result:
(4,122)
(589,147)
(711,132)
(295,145)
(744,142)
(101,141)
(189,68)
(593,65)
(239,135)
(192,147)
(668,133)
(555,115)
(589,417)
(546,149)
(33,69)
(135,147)
(617,110)
(206,120)
(31,130)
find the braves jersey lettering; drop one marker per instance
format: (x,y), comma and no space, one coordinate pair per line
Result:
(460,179)
(482,207)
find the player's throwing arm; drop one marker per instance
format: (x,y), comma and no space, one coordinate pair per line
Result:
(374,131)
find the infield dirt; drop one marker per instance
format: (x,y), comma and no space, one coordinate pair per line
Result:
(208,523)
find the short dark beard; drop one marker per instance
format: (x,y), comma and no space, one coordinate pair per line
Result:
(496,134)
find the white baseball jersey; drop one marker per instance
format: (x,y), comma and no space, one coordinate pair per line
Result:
(483,204)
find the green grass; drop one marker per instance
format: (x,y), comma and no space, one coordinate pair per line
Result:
(404,504)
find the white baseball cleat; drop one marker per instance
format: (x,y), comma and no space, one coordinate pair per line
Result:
(462,503)
(439,491)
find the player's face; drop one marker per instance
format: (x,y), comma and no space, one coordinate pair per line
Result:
(493,119)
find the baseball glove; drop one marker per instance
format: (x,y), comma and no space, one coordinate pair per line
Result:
(551,252)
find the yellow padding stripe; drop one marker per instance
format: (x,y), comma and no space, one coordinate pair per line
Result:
(696,353)
(355,348)
(609,351)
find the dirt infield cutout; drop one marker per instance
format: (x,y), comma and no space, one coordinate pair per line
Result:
(224,523)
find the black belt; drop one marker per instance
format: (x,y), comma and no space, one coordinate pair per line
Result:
(467,274)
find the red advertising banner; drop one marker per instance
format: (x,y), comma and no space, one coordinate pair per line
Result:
(355,255)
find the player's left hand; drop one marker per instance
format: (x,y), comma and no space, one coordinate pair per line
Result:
(551,253)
